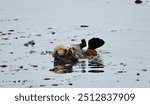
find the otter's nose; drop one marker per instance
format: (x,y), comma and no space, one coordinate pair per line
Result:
(65,51)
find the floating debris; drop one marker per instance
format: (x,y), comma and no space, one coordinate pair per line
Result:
(5,38)
(39,35)
(53,32)
(3,34)
(15,37)
(124,64)
(122,71)
(11,52)
(42,85)
(3,66)
(14,81)
(54,84)
(51,42)
(50,28)
(16,19)
(11,30)
(70,84)
(24,81)
(32,43)
(121,63)
(26,44)
(22,36)
(31,86)
(144,69)
(47,78)
(84,26)
(138,74)
(21,67)
(113,30)
(16,70)
(2,71)
(73,39)
(46,52)
(9,33)
(25,69)
(34,66)
(32,51)
(138,1)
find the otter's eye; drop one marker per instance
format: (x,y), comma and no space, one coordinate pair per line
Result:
(73,49)
(65,51)
(56,52)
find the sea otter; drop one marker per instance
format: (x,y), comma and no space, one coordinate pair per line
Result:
(65,56)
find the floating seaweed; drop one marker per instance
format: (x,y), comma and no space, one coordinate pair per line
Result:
(3,66)
(47,78)
(32,43)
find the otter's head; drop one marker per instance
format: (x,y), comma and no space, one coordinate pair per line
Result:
(64,54)
(62,50)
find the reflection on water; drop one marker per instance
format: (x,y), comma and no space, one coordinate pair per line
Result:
(91,64)
(68,68)
(95,64)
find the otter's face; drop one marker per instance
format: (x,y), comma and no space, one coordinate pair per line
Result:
(62,50)
(64,54)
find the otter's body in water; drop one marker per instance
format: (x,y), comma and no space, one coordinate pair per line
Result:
(65,56)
